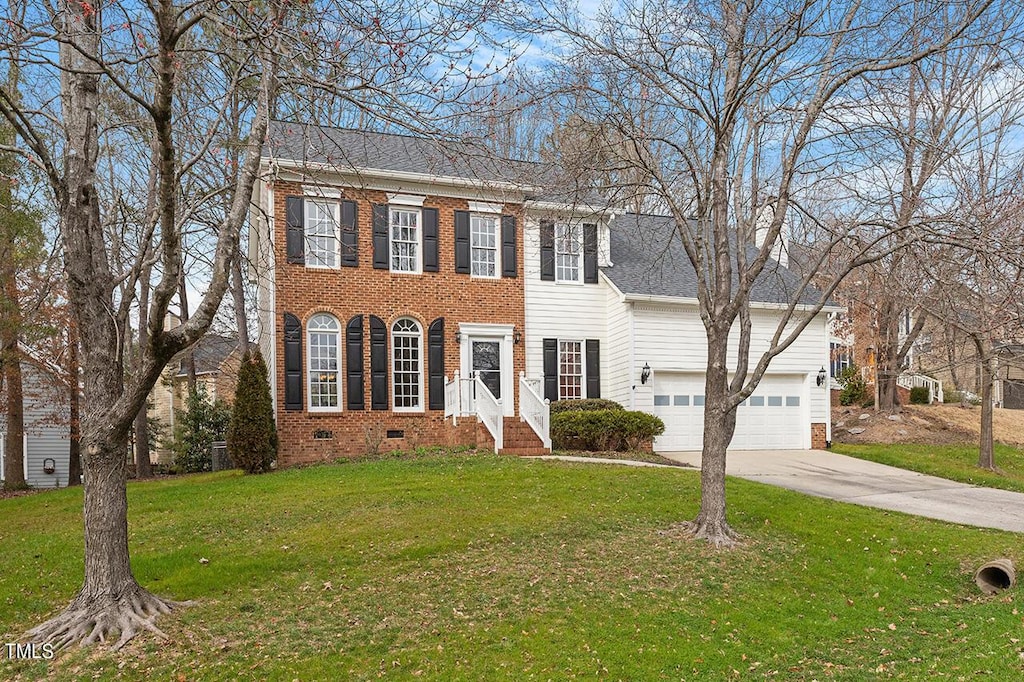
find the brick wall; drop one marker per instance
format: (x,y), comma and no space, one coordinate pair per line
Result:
(818,436)
(363,290)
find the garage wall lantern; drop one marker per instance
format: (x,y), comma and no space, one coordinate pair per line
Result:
(645,373)
(821,376)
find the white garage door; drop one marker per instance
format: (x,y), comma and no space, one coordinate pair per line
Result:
(773,418)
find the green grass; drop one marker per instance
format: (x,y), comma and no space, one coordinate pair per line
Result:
(955,462)
(479,567)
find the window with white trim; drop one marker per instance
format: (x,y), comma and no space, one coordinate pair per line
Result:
(570,370)
(405,239)
(568,252)
(323,333)
(407,365)
(839,359)
(322,228)
(483,241)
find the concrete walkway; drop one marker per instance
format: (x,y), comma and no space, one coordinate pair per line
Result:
(847,479)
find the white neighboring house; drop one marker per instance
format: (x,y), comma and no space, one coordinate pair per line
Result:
(622,297)
(47,440)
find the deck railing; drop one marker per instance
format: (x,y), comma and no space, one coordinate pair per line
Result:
(490,412)
(934,386)
(535,410)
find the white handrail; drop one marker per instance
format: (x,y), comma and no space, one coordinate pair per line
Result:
(452,399)
(490,412)
(535,410)
(934,386)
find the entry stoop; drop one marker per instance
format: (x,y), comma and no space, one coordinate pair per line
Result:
(520,439)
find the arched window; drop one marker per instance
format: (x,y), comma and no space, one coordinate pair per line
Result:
(322,344)
(407,365)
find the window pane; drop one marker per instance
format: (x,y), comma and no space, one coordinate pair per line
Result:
(661,400)
(792,401)
(568,245)
(406,365)
(321,232)
(757,401)
(483,231)
(405,240)
(775,401)
(322,367)
(570,370)
(698,401)
(681,400)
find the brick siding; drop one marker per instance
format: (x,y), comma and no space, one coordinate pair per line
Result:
(363,290)
(818,436)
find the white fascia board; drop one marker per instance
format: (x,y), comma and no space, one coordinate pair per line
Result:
(755,305)
(377,173)
(604,278)
(579,210)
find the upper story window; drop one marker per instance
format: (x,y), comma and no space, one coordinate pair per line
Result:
(322,219)
(405,240)
(407,365)
(568,252)
(839,359)
(322,343)
(483,232)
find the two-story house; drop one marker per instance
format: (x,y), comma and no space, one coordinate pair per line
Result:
(411,293)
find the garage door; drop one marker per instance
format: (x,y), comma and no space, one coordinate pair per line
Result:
(773,418)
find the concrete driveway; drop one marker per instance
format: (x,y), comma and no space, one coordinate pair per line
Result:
(838,477)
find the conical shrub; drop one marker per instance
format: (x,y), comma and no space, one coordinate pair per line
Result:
(252,435)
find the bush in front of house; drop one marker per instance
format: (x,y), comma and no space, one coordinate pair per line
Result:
(196,427)
(854,388)
(597,430)
(252,436)
(585,405)
(919,395)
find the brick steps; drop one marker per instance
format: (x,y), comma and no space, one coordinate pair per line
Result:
(519,439)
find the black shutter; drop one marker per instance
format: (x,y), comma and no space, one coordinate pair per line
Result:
(378,364)
(349,235)
(509,265)
(354,363)
(593,368)
(551,369)
(430,240)
(381,261)
(292,362)
(462,242)
(590,254)
(296,237)
(435,363)
(547,251)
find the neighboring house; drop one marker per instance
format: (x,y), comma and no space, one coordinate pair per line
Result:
(217,361)
(399,283)
(1010,376)
(47,441)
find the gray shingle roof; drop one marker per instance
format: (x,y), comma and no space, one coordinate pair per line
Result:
(362,149)
(648,260)
(210,352)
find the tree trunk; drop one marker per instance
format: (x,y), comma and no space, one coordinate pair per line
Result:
(886,358)
(189,357)
(719,426)
(110,600)
(238,294)
(986,450)
(74,411)
(143,468)
(14,438)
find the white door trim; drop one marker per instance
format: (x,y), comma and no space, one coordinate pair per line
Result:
(471,331)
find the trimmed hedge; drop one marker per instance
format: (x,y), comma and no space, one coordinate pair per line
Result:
(585,405)
(597,430)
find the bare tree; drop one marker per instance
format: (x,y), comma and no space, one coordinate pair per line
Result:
(107,89)
(734,98)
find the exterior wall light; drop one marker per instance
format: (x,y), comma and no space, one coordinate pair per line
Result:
(822,375)
(645,373)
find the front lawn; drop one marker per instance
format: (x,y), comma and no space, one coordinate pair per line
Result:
(954,462)
(478,567)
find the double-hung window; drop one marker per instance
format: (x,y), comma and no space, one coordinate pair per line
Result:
(407,365)
(570,370)
(483,236)
(323,220)
(568,252)
(322,342)
(405,240)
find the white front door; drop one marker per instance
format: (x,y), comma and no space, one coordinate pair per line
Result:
(487,353)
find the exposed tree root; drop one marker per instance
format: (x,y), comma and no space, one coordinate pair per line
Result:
(717,533)
(89,620)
